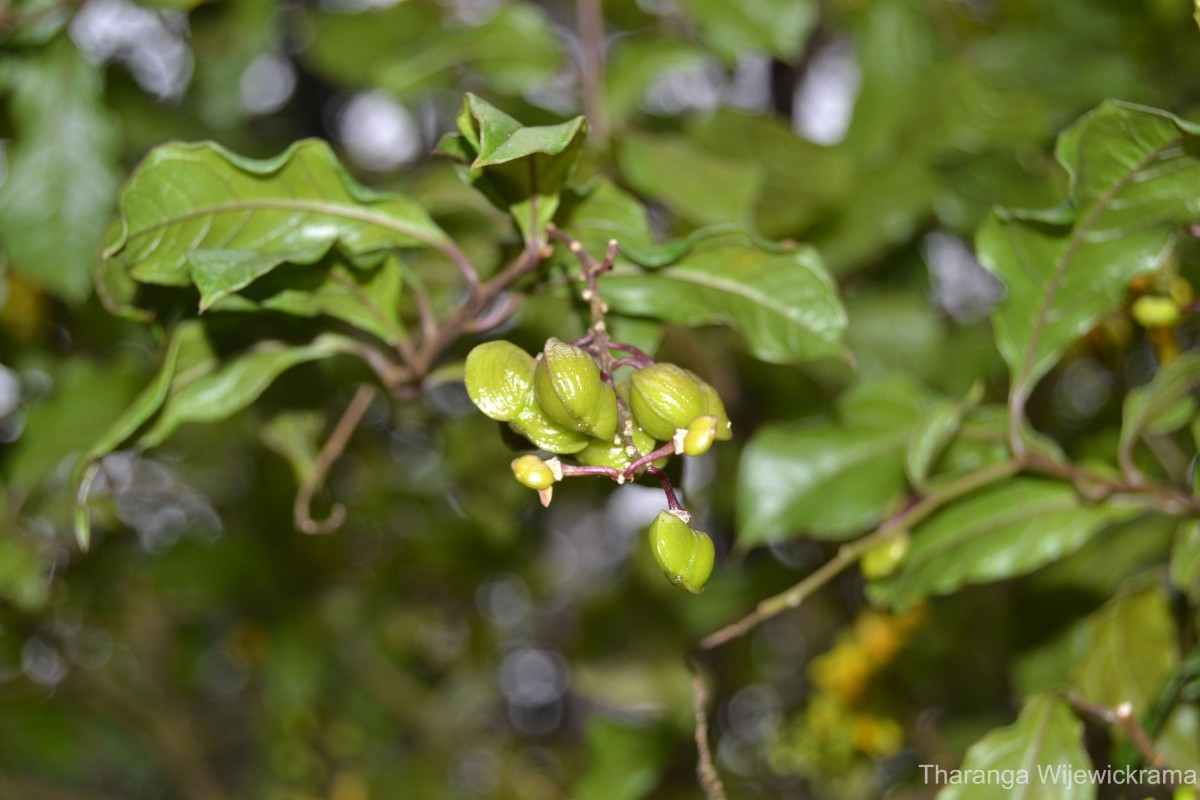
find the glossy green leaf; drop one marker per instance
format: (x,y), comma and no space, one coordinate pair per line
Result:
(520,169)
(1132,171)
(1162,405)
(930,436)
(701,187)
(998,532)
(1129,650)
(219,390)
(1047,735)
(220,273)
(61,172)
(777,28)
(625,762)
(823,479)
(785,306)
(190,197)
(365,296)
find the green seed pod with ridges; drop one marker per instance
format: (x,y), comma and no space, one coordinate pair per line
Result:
(605,426)
(568,387)
(599,453)
(499,376)
(701,432)
(546,434)
(686,556)
(663,398)
(885,557)
(714,406)
(533,472)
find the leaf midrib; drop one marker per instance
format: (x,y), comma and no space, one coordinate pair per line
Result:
(1064,263)
(330,209)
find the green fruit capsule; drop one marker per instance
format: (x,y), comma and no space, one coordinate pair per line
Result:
(664,398)
(1156,312)
(499,376)
(714,406)
(886,557)
(685,555)
(599,453)
(701,433)
(546,434)
(533,472)
(569,389)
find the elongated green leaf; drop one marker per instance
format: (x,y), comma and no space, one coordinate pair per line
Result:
(999,532)
(1133,172)
(229,386)
(190,197)
(1038,751)
(1158,405)
(220,273)
(785,306)
(701,187)
(520,169)
(61,171)
(930,436)
(1185,559)
(1129,650)
(772,27)
(828,479)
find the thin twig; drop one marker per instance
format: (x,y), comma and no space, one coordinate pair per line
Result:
(590,16)
(668,490)
(851,552)
(706,769)
(1121,716)
(330,452)
(465,268)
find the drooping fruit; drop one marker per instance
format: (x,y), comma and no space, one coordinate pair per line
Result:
(685,555)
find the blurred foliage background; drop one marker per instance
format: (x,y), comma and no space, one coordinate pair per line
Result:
(453,639)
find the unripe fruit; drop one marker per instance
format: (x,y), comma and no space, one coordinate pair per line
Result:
(885,557)
(569,389)
(546,434)
(684,555)
(664,397)
(701,432)
(499,376)
(600,453)
(1155,312)
(533,472)
(714,406)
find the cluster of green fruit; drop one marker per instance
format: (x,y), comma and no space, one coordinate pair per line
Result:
(564,404)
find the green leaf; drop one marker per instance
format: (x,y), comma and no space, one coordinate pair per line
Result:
(220,273)
(190,197)
(367,297)
(1046,735)
(415,47)
(1163,405)
(625,761)
(1132,172)
(219,390)
(295,435)
(824,479)
(520,169)
(635,62)
(1129,650)
(1185,560)
(930,436)
(777,28)
(701,187)
(995,533)
(61,170)
(784,305)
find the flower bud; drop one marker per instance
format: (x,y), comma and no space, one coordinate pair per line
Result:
(663,398)
(570,391)
(701,432)
(499,376)
(533,472)
(685,555)
(1155,312)
(885,557)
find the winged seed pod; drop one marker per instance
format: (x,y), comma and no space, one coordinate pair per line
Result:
(499,376)
(685,555)
(569,389)
(663,398)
